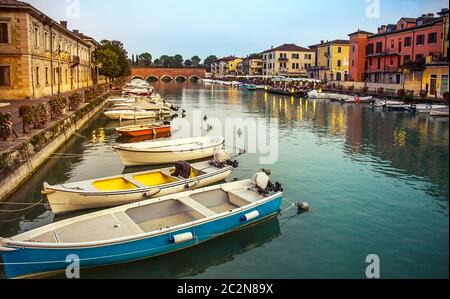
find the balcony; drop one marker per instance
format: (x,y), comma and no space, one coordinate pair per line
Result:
(318,68)
(74,61)
(436,58)
(283,59)
(386,69)
(416,65)
(391,52)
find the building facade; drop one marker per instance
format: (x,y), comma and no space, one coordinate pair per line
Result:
(332,61)
(226,66)
(412,53)
(252,65)
(288,60)
(40,57)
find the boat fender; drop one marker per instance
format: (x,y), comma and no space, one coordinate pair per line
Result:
(250,216)
(181,238)
(303,206)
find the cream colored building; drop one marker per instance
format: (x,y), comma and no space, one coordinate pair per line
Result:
(288,60)
(40,57)
(226,66)
(252,66)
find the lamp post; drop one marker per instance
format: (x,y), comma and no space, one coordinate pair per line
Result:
(96,66)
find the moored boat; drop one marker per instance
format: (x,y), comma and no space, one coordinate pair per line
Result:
(356,99)
(131,187)
(442,112)
(143,129)
(129,114)
(168,151)
(426,108)
(137,231)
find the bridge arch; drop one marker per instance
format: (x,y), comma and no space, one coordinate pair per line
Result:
(181,78)
(194,78)
(137,77)
(166,78)
(152,78)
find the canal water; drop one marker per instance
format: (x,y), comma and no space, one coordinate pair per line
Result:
(377,183)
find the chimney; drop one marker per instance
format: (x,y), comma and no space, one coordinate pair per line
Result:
(430,15)
(322,41)
(76,31)
(63,23)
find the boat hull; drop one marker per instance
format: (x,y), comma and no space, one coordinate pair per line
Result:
(28,261)
(115,115)
(141,158)
(145,132)
(65,201)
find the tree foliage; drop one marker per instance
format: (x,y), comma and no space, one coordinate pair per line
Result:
(196,61)
(208,61)
(145,59)
(110,63)
(122,56)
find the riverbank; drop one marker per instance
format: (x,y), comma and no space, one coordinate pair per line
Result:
(21,157)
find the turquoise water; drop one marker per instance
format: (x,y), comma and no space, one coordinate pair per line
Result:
(377,183)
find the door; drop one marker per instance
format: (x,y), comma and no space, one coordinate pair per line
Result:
(338,76)
(444,84)
(397,79)
(433,85)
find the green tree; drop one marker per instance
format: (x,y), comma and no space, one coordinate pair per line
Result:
(110,63)
(157,62)
(208,61)
(145,59)
(188,62)
(122,55)
(178,60)
(196,61)
(164,60)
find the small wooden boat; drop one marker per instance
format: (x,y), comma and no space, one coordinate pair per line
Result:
(139,230)
(168,151)
(356,100)
(443,112)
(426,108)
(128,188)
(144,129)
(129,114)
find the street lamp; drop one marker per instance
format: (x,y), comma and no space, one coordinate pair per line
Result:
(96,66)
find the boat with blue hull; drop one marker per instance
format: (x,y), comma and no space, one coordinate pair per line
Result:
(137,231)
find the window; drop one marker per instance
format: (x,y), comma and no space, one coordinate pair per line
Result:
(4,33)
(4,76)
(308,56)
(46,41)
(407,58)
(379,63)
(392,61)
(432,38)
(444,83)
(339,50)
(379,47)
(419,57)
(408,41)
(36,37)
(353,48)
(295,56)
(37,75)
(339,63)
(369,49)
(46,76)
(353,63)
(420,40)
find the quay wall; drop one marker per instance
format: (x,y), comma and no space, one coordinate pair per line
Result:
(34,159)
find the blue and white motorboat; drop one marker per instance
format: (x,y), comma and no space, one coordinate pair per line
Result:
(137,231)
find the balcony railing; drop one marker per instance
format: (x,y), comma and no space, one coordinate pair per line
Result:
(318,68)
(283,59)
(384,53)
(385,69)
(74,61)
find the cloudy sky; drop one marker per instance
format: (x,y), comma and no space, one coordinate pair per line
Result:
(223,27)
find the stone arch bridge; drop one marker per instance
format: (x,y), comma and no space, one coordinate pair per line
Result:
(168,74)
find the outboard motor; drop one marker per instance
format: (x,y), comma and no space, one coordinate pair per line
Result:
(222,158)
(182,169)
(262,184)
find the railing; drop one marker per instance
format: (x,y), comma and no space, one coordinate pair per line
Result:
(283,59)
(384,53)
(74,61)
(385,69)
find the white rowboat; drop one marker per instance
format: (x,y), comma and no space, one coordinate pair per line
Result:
(129,114)
(129,188)
(168,151)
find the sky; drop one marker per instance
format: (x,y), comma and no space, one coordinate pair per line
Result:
(227,27)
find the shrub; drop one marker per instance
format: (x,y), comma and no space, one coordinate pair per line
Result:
(57,106)
(423,93)
(401,93)
(365,89)
(34,115)
(445,96)
(351,88)
(380,91)
(6,125)
(75,101)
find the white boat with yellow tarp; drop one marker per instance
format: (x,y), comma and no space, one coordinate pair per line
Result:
(132,187)
(168,151)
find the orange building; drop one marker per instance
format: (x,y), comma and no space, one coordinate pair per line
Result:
(401,53)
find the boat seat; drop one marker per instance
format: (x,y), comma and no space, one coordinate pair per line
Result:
(243,197)
(130,178)
(196,206)
(128,223)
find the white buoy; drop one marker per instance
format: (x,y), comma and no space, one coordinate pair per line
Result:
(303,206)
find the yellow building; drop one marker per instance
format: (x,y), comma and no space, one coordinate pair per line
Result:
(332,61)
(225,66)
(40,57)
(288,60)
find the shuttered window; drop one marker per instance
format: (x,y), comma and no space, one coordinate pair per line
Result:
(4,76)
(4,33)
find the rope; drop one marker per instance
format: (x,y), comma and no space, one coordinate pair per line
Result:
(23,209)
